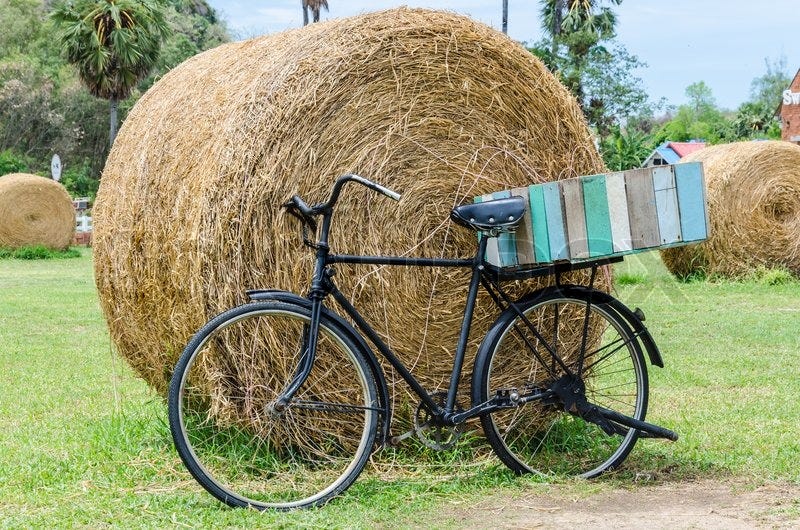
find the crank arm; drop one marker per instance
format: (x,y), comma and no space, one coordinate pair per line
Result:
(497,403)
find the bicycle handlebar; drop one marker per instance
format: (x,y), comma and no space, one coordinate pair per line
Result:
(375,187)
(298,207)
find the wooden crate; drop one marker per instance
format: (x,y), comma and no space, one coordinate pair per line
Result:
(608,215)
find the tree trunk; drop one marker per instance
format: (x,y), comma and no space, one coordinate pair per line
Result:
(113,122)
(505,16)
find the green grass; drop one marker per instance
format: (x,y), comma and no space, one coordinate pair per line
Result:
(29,252)
(84,443)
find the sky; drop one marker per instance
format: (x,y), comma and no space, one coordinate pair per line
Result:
(724,43)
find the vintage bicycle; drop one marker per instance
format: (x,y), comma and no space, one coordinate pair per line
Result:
(279,403)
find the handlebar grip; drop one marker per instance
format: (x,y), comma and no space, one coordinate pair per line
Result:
(376,187)
(304,208)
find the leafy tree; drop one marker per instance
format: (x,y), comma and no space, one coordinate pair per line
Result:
(579,47)
(767,89)
(45,109)
(700,97)
(625,149)
(194,28)
(11,162)
(613,94)
(561,18)
(30,117)
(113,43)
(700,119)
(756,118)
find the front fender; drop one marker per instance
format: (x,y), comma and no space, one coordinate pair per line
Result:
(377,372)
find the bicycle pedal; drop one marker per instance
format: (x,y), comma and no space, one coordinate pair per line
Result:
(508,396)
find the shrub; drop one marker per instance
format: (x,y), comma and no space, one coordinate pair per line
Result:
(37,252)
(10,162)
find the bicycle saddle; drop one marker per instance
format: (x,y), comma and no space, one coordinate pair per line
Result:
(499,214)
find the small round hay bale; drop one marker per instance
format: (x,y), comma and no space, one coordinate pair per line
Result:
(431,104)
(754,211)
(35,211)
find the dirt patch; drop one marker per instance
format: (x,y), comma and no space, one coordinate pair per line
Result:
(702,504)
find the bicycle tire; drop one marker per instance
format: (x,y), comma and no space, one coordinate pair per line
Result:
(231,438)
(542,437)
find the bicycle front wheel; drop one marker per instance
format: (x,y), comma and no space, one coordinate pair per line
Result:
(234,440)
(541,436)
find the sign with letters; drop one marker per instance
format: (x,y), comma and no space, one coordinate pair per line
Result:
(791,98)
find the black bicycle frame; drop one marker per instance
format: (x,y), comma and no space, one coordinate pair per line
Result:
(476,264)
(322,285)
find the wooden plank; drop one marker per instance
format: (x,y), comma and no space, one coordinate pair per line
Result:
(541,243)
(575,216)
(690,183)
(598,222)
(669,222)
(556,230)
(524,234)
(618,212)
(642,214)
(506,243)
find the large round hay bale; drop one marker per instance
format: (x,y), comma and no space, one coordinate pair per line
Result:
(431,104)
(35,211)
(754,211)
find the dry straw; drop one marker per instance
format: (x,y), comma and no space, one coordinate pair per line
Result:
(754,211)
(431,104)
(35,211)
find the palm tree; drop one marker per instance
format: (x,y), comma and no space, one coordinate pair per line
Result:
(113,43)
(315,6)
(577,26)
(578,16)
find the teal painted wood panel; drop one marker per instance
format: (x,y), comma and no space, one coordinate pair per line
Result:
(492,254)
(556,229)
(642,214)
(506,241)
(598,222)
(605,215)
(669,222)
(690,183)
(524,233)
(541,243)
(575,216)
(618,212)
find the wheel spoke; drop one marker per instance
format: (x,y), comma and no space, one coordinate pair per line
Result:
(228,431)
(540,436)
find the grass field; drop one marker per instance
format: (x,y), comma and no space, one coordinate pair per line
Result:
(83,443)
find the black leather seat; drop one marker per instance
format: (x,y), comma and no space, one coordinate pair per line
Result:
(499,214)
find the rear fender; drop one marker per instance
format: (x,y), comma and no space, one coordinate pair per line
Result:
(641,331)
(599,297)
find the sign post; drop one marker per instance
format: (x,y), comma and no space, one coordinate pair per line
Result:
(55,168)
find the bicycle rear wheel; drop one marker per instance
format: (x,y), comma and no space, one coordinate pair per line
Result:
(541,436)
(237,444)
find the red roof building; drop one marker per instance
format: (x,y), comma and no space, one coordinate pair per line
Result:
(789,111)
(684,148)
(672,152)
